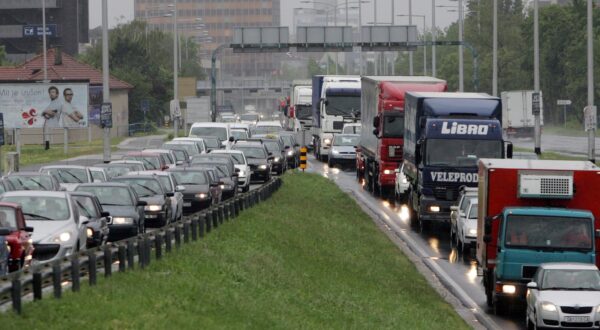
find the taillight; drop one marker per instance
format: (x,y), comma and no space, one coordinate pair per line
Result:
(292,112)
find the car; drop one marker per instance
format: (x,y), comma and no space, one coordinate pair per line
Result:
(465,196)
(267,127)
(240,126)
(275,148)
(97,226)
(227,118)
(227,177)
(258,159)
(466,227)
(219,130)
(5,185)
(218,157)
(114,170)
(239,134)
(167,154)
(197,140)
(343,150)
(68,176)
(401,185)
(292,148)
(241,164)
(170,184)
(190,147)
(133,165)
(58,228)
(212,143)
(351,128)
(158,212)
(31,181)
(563,294)
(18,236)
(249,118)
(215,183)
(125,208)
(197,193)
(99,174)
(152,161)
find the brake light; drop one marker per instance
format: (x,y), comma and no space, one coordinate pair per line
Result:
(292,112)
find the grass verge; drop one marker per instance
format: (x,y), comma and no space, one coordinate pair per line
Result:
(549,155)
(307,258)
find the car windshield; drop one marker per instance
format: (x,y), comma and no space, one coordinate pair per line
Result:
(142,186)
(190,177)
(166,183)
(42,182)
(86,206)
(8,217)
(115,171)
(288,140)
(238,159)
(41,208)
(461,153)
(249,117)
(109,195)
(343,105)
(252,152)
(221,169)
(220,132)
(69,175)
(473,212)
(341,140)
(393,126)
(303,111)
(191,148)
(524,231)
(180,155)
(351,129)
(265,130)
(151,162)
(239,134)
(272,147)
(212,142)
(570,279)
(98,175)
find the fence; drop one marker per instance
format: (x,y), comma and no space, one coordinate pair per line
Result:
(125,254)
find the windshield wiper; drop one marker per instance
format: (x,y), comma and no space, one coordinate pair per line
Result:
(33,215)
(21,183)
(71,174)
(113,204)
(146,187)
(38,183)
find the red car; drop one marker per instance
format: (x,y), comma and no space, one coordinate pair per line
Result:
(19,239)
(152,161)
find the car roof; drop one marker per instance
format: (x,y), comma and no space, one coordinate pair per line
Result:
(568,265)
(105,184)
(252,144)
(27,173)
(186,169)
(130,176)
(142,153)
(148,173)
(188,139)
(84,193)
(223,151)
(210,124)
(36,193)
(64,166)
(173,142)
(158,151)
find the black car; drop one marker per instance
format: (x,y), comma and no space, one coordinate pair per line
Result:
(197,194)
(125,208)
(258,159)
(214,182)
(97,226)
(159,211)
(229,184)
(292,149)
(275,147)
(32,181)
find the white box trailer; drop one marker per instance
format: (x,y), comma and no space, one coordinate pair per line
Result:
(197,111)
(517,113)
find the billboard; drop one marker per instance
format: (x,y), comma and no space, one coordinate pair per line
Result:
(60,105)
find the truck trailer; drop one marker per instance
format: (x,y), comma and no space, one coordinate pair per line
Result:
(382,132)
(444,136)
(517,113)
(299,116)
(532,212)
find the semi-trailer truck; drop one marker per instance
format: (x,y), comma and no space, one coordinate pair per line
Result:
(444,136)
(517,113)
(532,212)
(335,101)
(382,132)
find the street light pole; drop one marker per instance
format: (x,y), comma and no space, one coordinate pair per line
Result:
(393,23)
(175,73)
(536,74)
(495,51)
(410,53)
(44,129)
(461,86)
(590,80)
(433,38)
(105,77)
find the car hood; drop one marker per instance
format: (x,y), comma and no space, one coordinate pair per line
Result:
(195,189)
(257,161)
(44,231)
(69,186)
(128,211)
(154,200)
(570,298)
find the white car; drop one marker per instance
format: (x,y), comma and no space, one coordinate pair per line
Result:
(401,185)
(466,195)
(466,226)
(239,162)
(198,141)
(343,149)
(69,176)
(353,128)
(219,130)
(564,295)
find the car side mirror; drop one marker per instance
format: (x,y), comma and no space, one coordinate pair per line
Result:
(296,145)
(270,154)
(286,147)
(170,194)
(142,203)
(180,188)
(376,132)
(83,220)
(532,285)
(214,184)
(105,214)
(376,122)
(28,229)
(453,208)
(509,150)
(5,231)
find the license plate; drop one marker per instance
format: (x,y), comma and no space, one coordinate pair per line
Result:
(187,204)
(577,319)
(151,216)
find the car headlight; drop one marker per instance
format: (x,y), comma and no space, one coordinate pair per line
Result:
(290,153)
(434,208)
(90,233)
(404,180)
(335,152)
(201,196)
(7,247)
(509,289)
(598,309)
(473,231)
(327,141)
(63,237)
(262,167)
(122,220)
(549,307)
(241,173)
(387,172)
(153,208)
(277,159)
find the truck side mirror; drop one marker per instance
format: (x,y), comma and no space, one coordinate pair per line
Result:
(487,239)
(376,132)
(509,150)
(376,122)
(597,233)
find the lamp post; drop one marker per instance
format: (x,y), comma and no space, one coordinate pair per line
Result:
(433,38)
(495,50)
(175,107)
(105,78)
(536,74)
(590,80)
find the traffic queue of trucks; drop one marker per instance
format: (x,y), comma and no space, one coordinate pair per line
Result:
(529,212)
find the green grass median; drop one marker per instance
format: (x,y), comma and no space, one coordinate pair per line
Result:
(306,258)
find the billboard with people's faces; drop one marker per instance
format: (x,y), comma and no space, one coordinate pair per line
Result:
(61,105)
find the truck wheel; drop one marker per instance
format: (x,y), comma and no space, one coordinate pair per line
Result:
(488,288)
(500,305)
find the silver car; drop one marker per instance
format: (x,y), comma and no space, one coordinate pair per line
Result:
(69,176)
(170,185)
(58,229)
(343,149)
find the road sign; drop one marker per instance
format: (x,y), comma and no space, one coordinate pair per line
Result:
(106,115)
(563,102)
(145,105)
(303,158)
(590,117)
(174,108)
(535,103)
(38,30)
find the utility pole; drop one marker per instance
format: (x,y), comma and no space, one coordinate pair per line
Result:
(433,38)
(536,74)
(45,56)
(461,85)
(393,23)
(175,73)
(495,51)
(410,53)
(105,77)
(590,82)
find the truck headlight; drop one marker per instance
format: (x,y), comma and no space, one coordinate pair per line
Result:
(387,172)
(327,142)
(63,237)
(290,153)
(201,196)
(509,289)
(548,307)
(473,231)
(262,167)
(90,233)
(152,208)
(122,220)
(434,208)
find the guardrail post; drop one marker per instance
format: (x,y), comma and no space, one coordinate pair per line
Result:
(130,254)
(158,245)
(37,284)
(92,267)
(122,255)
(56,279)
(240,203)
(186,232)
(177,236)
(236,206)
(141,252)
(16,293)
(209,220)
(194,224)
(203,224)
(221,214)
(168,239)
(215,217)
(74,272)
(147,250)
(107,261)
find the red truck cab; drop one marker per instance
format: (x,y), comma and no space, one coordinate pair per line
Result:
(19,238)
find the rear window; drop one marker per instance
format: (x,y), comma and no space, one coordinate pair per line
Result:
(220,132)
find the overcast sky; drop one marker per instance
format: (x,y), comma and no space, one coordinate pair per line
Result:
(121,11)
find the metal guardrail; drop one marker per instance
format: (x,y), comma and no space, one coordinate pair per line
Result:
(125,253)
(246,84)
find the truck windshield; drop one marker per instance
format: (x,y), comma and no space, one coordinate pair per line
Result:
(393,126)
(460,152)
(303,111)
(526,231)
(343,105)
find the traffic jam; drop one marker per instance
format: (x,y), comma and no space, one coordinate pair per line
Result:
(526,227)
(62,210)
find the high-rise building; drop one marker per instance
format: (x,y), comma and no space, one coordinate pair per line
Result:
(21,26)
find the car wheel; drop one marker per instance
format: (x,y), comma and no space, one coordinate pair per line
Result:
(246,188)
(329,162)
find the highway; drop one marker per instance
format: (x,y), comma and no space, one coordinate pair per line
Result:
(571,145)
(453,269)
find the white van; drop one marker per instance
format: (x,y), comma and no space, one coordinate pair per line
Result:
(220,130)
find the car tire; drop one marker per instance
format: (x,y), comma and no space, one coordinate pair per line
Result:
(246,188)
(330,164)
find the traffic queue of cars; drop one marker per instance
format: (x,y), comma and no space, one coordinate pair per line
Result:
(63,209)
(533,226)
